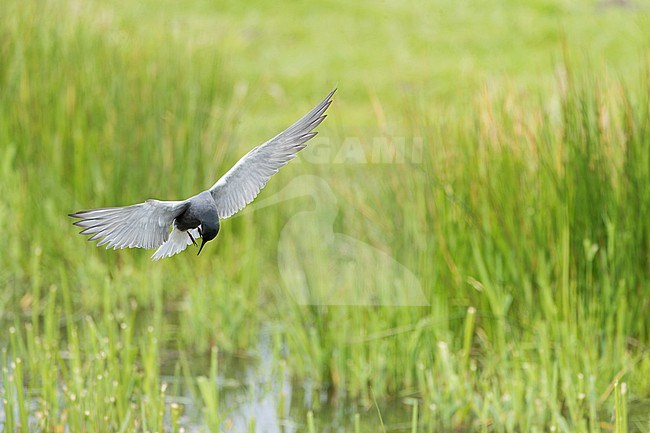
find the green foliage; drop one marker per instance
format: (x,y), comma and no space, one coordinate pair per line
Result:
(521,205)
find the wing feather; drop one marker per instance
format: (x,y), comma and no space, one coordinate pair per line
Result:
(243,182)
(144,225)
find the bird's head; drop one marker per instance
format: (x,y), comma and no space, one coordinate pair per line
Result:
(209,231)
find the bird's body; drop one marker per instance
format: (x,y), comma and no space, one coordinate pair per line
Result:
(148,224)
(202,207)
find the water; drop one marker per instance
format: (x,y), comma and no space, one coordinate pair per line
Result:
(258,390)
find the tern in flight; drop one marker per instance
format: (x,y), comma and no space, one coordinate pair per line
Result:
(171,226)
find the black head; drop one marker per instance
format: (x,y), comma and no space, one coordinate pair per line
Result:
(209,231)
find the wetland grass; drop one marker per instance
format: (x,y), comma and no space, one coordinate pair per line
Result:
(525,221)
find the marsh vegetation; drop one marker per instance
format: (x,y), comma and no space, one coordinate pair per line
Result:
(494,158)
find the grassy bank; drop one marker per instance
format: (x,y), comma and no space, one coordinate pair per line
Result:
(513,194)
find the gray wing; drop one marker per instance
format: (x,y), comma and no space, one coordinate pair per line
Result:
(245,179)
(144,225)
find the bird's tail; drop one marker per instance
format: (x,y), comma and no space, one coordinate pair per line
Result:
(178,240)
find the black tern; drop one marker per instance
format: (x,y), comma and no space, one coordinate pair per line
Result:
(171,226)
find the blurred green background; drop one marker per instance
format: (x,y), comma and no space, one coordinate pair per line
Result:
(495,153)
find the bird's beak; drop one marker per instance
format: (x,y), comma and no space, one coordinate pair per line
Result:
(201,247)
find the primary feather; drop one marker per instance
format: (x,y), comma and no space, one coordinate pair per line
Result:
(246,179)
(144,225)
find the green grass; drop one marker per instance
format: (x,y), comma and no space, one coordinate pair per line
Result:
(524,215)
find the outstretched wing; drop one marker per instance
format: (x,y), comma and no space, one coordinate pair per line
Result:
(245,179)
(144,225)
